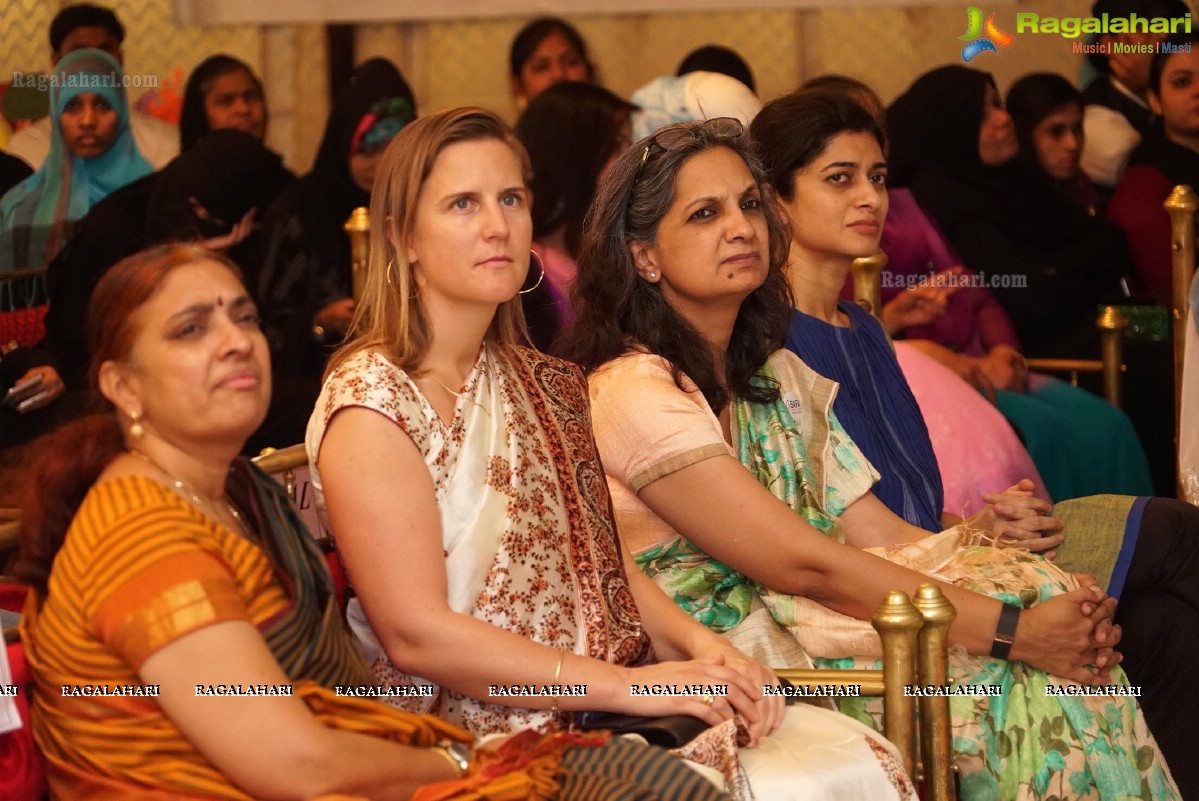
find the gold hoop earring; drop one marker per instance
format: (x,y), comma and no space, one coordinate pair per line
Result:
(541,266)
(136,429)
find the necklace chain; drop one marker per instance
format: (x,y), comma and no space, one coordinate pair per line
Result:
(459,394)
(190,494)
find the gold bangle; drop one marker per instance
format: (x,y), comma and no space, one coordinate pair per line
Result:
(437,749)
(557,675)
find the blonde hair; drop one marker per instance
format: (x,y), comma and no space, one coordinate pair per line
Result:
(389,316)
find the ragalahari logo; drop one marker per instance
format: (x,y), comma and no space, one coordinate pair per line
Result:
(981,37)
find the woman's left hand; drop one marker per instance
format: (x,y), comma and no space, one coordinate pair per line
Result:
(237,234)
(762,713)
(1022,519)
(1006,368)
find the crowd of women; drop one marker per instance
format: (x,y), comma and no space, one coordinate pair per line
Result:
(721,471)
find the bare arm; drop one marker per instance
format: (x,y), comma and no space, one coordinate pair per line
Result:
(382,505)
(722,509)
(676,635)
(273,747)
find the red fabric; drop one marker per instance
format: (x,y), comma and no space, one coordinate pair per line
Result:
(337,572)
(1137,208)
(27,326)
(22,769)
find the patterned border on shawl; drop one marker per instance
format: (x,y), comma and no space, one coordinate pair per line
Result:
(558,394)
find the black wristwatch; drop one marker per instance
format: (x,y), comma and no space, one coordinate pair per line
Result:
(1005,632)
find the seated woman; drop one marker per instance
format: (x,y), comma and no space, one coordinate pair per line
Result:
(1040,246)
(1168,156)
(954,147)
(92,153)
(303,279)
(1081,445)
(221,92)
(544,52)
(460,476)
(1047,112)
(925,438)
(683,303)
(209,194)
(572,131)
(182,629)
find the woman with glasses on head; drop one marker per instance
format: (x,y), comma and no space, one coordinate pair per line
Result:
(460,476)
(682,308)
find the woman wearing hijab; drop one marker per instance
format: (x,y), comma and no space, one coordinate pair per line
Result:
(221,92)
(1045,258)
(92,153)
(304,283)
(954,146)
(207,194)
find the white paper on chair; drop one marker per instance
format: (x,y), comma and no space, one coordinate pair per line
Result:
(10,717)
(1188,433)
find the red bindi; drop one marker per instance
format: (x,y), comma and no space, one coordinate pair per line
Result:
(220,301)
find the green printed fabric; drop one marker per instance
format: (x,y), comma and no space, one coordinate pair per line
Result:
(1023,744)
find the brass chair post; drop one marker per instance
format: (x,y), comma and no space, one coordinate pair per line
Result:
(285,461)
(359,229)
(1181,205)
(898,624)
(937,614)
(867,282)
(1111,325)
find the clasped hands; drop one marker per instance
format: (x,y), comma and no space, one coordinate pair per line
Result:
(1071,635)
(1019,519)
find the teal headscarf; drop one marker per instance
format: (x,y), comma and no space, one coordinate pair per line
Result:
(35,215)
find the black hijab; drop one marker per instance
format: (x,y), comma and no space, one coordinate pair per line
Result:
(935,124)
(193,117)
(228,172)
(330,191)
(1060,262)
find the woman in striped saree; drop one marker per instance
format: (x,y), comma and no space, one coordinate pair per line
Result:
(182,629)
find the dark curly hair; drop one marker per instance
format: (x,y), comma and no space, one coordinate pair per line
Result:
(617,311)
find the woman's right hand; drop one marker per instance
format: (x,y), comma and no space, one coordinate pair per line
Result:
(1060,635)
(919,305)
(742,694)
(335,317)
